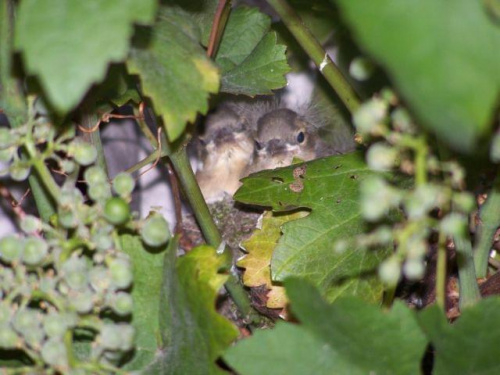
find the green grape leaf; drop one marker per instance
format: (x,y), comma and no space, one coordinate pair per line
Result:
(118,88)
(251,61)
(442,58)
(203,12)
(194,334)
(146,291)
(174,71)
(470,345)
(70,43)
(347,337)
(330,188)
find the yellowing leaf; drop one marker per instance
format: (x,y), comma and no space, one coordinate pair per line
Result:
(260,247)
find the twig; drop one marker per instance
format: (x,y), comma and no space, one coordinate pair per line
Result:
(317,54)
(14,204)
(177,198)
(490,221)
(218,26)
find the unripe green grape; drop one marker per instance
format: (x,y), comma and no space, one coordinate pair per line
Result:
(416,248)
(47,284)
(454,224)
(7,279)
(100,278)
(423,200)
(121,273)
(67,218)
(34,336)
(70,197)
(68,166)
(54,325)
(388,96)
(11,248)
(370,115)
(361,69)
(8,337)
(402,120)
(102,240)
(95,175)
(381,157)
(7,138)
(35,250)
(54,352)
(83,302)
(121,303)
(43,131)
(155,231)
(389,271)
(99,192)
(377,197)
(383,235)
(19,171)
(116,211)
(123,184)
(414,269)
(75,273)
(26,320)
(110,336)
(30,224)
(464,201)
(6,155)
(6,312)
(127,334)
(117,336)
(457,174)
(84,153)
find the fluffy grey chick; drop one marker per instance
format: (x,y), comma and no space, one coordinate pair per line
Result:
(227,150)
(282,134)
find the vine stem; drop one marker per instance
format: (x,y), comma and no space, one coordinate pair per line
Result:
(89,120)
(469,290)
(441,272)
(467,283)
(220,20)
(186,176)
(317,54)
(490,220)
(421,153)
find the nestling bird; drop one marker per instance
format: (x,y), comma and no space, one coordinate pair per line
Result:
(227,150)
(282,135)
(243,138)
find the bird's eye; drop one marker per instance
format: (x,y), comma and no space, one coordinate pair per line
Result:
(258,146)
(301,137)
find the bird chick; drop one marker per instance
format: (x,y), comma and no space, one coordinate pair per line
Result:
(282,135)
(227,151)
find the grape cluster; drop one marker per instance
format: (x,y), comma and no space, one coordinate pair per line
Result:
(70,276)
(434,204)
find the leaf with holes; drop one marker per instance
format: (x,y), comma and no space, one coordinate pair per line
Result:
(96,33)
(444,59)
(330,188)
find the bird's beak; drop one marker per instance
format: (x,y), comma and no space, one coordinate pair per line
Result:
(275,147)
(224,136)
